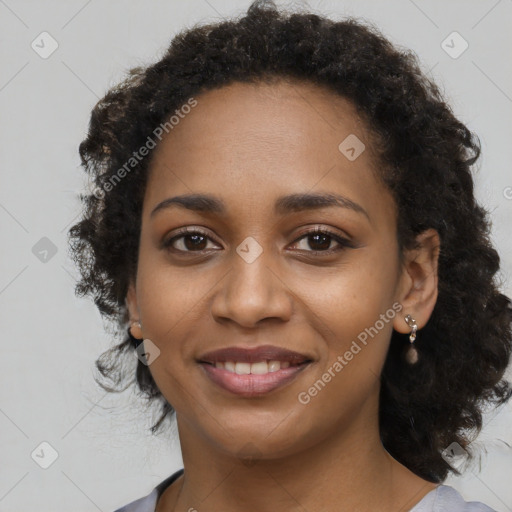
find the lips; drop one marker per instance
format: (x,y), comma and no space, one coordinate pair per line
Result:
(233,368)
(254,355)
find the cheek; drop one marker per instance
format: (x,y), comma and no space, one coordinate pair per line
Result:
(353,308)
(356,315)
(354,295)
(171,302)
(168,295)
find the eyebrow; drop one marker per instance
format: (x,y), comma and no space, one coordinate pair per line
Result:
(206,203)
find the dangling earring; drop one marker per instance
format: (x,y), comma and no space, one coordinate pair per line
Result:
(412,354)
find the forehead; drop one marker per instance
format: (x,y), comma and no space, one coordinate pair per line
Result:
(283,117)
(249,141)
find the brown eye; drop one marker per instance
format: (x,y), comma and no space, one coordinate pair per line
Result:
(320,241)
(188,240)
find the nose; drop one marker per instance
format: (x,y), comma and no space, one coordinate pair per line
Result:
(252,292)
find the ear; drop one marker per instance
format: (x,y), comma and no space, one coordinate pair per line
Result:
(133,311)
(418,281)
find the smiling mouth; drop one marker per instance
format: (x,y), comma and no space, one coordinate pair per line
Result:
(252,379)
(256,368)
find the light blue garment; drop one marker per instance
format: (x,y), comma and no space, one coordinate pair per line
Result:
(442,499)
(446,499)
(148,503)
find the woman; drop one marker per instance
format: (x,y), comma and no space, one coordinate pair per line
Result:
(283,218)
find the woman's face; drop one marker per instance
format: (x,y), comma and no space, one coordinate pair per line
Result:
(253,277)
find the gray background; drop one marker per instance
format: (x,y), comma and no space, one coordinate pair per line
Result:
(106,458)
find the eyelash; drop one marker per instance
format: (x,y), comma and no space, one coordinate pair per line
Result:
(343,242)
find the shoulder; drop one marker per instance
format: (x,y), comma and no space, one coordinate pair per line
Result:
(446,499)
(148,503)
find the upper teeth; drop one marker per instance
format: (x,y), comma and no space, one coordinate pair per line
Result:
(258,368)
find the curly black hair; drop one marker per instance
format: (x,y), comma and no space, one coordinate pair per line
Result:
(426,156)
